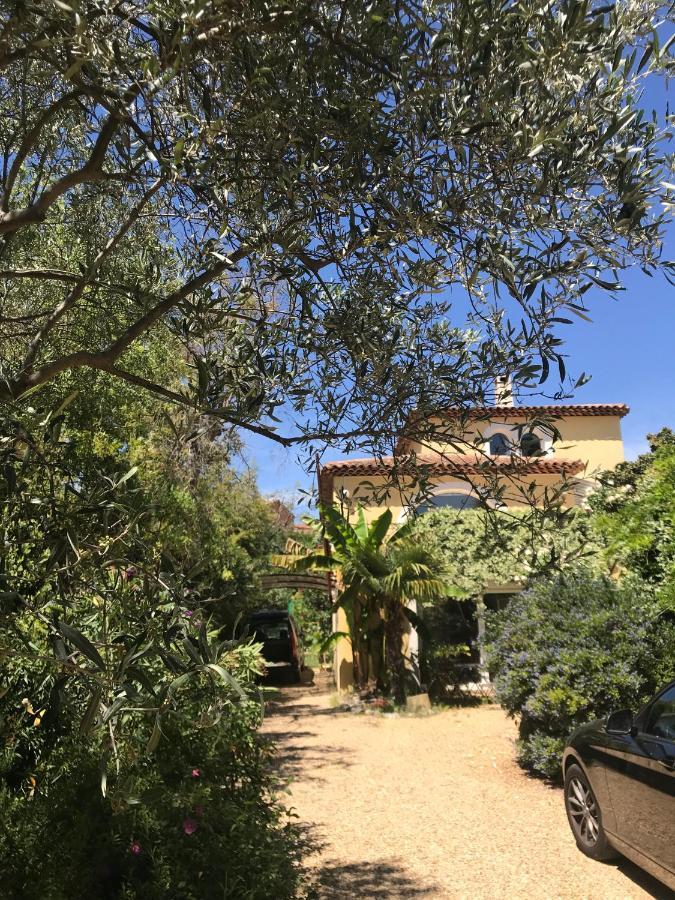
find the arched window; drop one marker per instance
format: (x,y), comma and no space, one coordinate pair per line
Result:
(499,445)
(530,445)
(447,501)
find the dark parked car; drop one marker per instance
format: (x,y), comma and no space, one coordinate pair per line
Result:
(276,630)
(620,786)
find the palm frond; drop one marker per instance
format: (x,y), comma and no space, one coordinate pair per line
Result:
(332,640)
(403,532)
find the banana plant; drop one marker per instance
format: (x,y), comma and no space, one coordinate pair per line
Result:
(380,572)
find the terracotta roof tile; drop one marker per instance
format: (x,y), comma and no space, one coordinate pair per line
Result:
(451,464)
(575,409)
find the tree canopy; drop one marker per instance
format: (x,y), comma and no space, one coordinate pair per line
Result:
(635,513)
(335,213)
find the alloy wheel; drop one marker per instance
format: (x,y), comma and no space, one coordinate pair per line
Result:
(583,811)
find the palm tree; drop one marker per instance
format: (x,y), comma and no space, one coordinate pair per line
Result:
(380,574)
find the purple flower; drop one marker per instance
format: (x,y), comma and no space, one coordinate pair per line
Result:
(189,826)
(135,848)
(196,773)
(188,613)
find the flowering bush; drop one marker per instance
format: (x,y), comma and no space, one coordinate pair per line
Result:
(197,820)
(572,650)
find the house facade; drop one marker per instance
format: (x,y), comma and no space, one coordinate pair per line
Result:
(504,456)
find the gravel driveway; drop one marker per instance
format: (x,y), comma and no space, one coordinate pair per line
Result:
(430,807)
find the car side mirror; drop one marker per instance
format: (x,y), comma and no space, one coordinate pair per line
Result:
(620,722)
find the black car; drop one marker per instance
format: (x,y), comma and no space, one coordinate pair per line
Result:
(620,786)
(276,630)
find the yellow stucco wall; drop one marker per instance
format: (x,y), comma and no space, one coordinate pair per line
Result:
(594,439)
(343,659)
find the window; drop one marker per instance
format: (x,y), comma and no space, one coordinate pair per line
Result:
(499,445)
(530,445)
(448,501)
(661,719)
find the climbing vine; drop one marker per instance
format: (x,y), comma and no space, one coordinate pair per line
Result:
(504,547)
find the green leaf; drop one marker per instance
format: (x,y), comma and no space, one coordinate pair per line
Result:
(192,651)
(379,528)
(83,644)
(227,678)
(74,68)
(645,58)
(153,742)
(90,713)
(112,710)
(178,682)
(332,640)
(132,471)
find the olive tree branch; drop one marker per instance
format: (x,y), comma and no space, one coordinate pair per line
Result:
(13,220)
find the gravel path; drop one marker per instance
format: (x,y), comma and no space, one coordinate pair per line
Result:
(430,807)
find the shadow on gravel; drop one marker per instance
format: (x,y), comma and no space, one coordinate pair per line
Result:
(306,761)
(282,676)
(291,761)
(369,879)
(295,754)
(642,879)
(282,706)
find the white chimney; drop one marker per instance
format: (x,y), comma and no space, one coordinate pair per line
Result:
(503,391)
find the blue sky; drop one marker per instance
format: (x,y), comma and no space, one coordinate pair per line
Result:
(628,349)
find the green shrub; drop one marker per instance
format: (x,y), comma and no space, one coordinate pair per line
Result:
(130,763)
(572,650)
(197,820)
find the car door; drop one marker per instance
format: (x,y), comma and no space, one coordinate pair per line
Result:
(644,798)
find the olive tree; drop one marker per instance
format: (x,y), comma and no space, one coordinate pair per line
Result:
(338,212)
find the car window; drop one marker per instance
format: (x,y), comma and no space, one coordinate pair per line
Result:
(661,719)
(273,631)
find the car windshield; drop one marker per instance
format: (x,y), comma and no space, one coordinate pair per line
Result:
(272,631)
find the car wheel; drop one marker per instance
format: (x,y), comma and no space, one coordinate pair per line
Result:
(585,816)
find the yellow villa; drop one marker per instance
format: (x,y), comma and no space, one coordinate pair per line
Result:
(507,456)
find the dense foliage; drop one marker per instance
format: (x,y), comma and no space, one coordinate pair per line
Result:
(286,192)
(575,648)
(124,553)
(577,644)
(506,546)
(196,818)
(635,512)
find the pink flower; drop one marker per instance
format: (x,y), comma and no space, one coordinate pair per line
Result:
(196,773)
(135,848)
(199,811)
(189,826)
